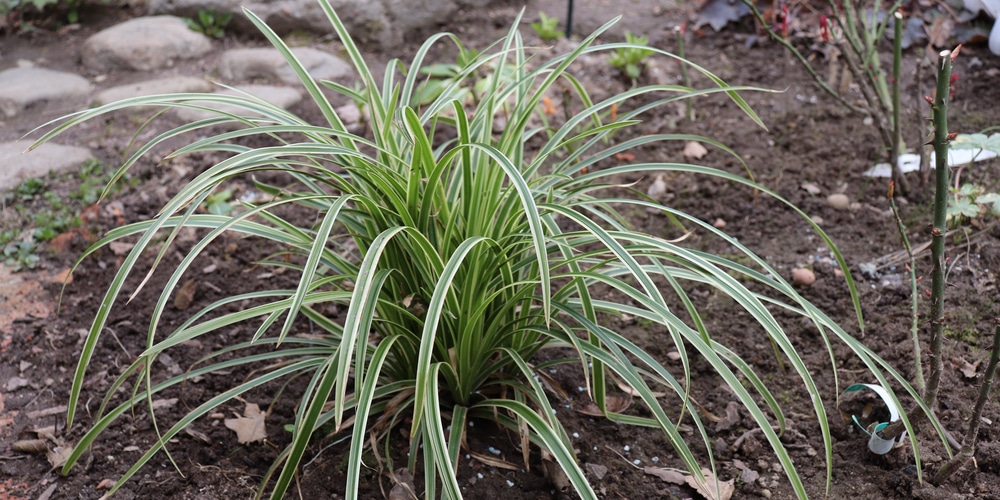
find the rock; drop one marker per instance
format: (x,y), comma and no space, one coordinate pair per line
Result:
(803,277)
(37,163)
(838,201)
(351,116)
(378,22)
(144,44)
(282,97)
(249,64)
(23,86)
(172,85)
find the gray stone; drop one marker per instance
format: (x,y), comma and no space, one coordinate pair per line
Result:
(152,87)
(268,64)
(144,44)
(365,19)
(22,87)
(16,165)
(282,97)
(379,22)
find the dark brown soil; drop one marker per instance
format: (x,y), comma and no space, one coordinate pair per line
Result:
(809,140)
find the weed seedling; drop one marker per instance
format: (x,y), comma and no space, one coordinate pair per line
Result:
(630,60)
(547,27)
(210,23)
(41,215)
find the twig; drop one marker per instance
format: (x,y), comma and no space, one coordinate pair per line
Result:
(681,32)
(897,134)
(969,444)
(914,296)
(798,55)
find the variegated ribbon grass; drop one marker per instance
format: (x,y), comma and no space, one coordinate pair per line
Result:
(470,251)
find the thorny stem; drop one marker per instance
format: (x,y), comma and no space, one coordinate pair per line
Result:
(914,296)
(939,113)
(941,139)
(798,55)
(969,444)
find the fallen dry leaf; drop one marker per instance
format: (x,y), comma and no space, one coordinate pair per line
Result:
(732,417)
(940,30)
(172,366)
(967,369)
(547,106)
(120,247)
(672,476)
(718,13)
(31,446)
(159,404)
(708,489)
(557,476)
(747,475)
(16,383)
(61,277)
(185,295)
(47,494)
(811,188)
(201,436)
(47,433)
(614,404)
(494,462)
(250,427)
(694,150)
(627,389)
(58,456)
(658,188)
(597,470)
(404,488)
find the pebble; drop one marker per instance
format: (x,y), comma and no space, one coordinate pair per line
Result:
(838,201)
(765,493)
(803,277)
(719,223)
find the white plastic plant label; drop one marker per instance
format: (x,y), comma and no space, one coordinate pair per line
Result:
(876,443)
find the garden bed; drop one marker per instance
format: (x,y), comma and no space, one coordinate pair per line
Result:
(812,149)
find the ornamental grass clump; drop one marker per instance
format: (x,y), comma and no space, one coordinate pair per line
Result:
(458,252)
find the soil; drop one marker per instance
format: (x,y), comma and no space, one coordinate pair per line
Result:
(810,140)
